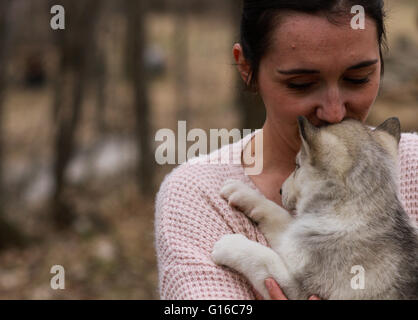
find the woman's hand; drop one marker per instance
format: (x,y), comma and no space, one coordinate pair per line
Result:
(275,292)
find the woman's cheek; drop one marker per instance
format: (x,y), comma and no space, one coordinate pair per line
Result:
(288,108)
(364,101)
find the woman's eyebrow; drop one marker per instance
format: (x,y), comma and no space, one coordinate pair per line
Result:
(298,71)
(360,65)
(363,64)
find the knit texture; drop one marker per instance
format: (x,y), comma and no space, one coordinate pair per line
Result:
(191,216)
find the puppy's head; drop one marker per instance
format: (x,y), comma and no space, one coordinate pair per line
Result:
(332,155)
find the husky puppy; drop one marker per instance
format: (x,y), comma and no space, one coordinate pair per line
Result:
(349,223)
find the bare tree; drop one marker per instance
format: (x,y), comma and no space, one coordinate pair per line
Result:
(74,44)
(4,7)
(9,234)
(99,65)
(100,76)
(101,81)
(181,57)
(136,37)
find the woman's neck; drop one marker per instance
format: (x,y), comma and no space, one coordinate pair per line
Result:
(279,153)
(278,158)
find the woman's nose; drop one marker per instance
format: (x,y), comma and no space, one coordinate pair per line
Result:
(333,109)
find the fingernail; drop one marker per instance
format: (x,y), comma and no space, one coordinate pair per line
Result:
(269,283)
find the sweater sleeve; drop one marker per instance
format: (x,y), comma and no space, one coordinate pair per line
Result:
(408,157)
(188,221)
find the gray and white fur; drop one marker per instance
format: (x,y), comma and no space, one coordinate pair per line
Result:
(346,195)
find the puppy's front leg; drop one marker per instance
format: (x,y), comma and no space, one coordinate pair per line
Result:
(272,218)
(255,261)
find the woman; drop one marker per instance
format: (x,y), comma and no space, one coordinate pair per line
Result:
(302,58)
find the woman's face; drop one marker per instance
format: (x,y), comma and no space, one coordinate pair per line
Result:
(324,71)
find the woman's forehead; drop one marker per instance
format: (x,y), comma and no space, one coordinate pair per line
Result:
(312,39)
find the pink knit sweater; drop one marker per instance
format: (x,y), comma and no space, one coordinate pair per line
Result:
(191,216)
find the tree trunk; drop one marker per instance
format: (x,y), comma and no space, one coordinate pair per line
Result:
(9,234)
(137,36)
(74,44)
(181,57)
(100,76)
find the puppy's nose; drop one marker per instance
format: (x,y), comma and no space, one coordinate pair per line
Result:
(280,191)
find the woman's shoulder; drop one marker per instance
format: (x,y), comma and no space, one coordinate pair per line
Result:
(409,139)
(207,172)
(189,196)
(408,159)
(191,180)
(408,151)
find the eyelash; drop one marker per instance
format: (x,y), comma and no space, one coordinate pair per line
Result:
(305,86)
(299,86)
(358,81)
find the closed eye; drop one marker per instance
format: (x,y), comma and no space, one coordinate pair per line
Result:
(308,85)
(300,86)
(357,81)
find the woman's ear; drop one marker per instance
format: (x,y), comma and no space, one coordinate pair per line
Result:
(243,66)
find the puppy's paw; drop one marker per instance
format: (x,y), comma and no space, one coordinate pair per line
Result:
(226,251)
(230,186)
(240,195)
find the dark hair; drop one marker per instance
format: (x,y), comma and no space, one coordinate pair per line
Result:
(259,18)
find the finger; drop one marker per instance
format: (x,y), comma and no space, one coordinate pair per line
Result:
(258,296)
(274,290)
(314,298)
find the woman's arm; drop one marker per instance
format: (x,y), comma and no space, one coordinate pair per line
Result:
(187,225)
(408,160)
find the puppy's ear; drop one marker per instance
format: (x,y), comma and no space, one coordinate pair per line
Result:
(391,126)
(307,131)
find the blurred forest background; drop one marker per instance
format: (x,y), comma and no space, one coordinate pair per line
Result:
(79,109)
